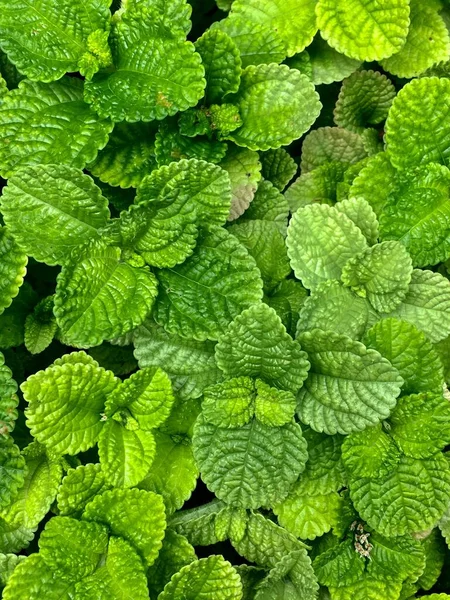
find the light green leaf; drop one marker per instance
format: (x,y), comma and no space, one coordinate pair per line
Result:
(128,156)
(256,344)
(229,404)
(375,182)
(395,559)
(251,466)
(287,299)
(328,144)
(268,205)
(14,537)
(211,578)
(244,168)
(267,124)
(222,63)
(99,296)
(12,471)
(13,262)
(198,524)
(175,14)
(273,407)
(348,388)
(190,365)
(53,209)
(333,307)
(371,453)
(47,40)
(418,126)
(136,515)
(339,565)
(8,400)
(412,497)
(157,74)
(79,487)
(381,274)
(365,99)
(324,472)
(409,351)
(40,326)
(265,243)
(292,578)
(427,304)
(33,126)
(200,297)
(363,216)
(368,588)
(294,20)
(320,241)
(125,455)
(418,214)
(65,405)
(317,186)
(8,562)
(427,43)
(278,167)
(364,30)
(174,472)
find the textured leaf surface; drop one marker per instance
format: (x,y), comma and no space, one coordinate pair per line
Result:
(45,40)
(250,466)
(13,263)
(320,242)
(211,578)
(136,515)
(53,209)
(292,578)
(40,326)
(412,497)
(348,387)
(12,471)
(79,487)
(65,405)
(327,144)
(373,589)
(287,299)
(418,125)
(8,562)
(273,407)
(244,168)
(339,565)
(229,404)
(33,126)
(14,537)
(200,297)
(324,471)
(395,559)
(363,216)
(375,182)
(364,30)
(268,123)
(156,74)
(268,205)
(256,344)
(12,320)
(8,400)
(100,297)
(371,453)
(278,167)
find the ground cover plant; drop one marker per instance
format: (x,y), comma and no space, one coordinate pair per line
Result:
(224,299)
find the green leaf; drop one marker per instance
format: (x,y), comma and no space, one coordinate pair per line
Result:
(13,262)
(53,209)
(125,456)
(294,20)
(118,359)
(175,14)
(8,562)
(320,241)
(412,497)
(368,587)
(256,344)
(12,471)
(292,578)
(365,31)
(409,351)
(375,182)
(198,524)
(8,400)
(395,559)
(79,487)
(229,404)
(273,407)
(250,466)
(427,43)
(418,214)
(287,299)
(65,405)
(172,203)
(268,204)
(427,304)
(12,320)
(434,548)
(420,424)
(333,307)
(365,99)
(329,144)
(136,515)
(317,186)
(72,549)
(363,216)
(348,387)
(324,472)
(33,126)
(174,472)
(200,297)
(263,127)
(99,296)
(14,537)
(371,453)
(266,245)
(40,326)
(339,565)
(156,73)
(381,274)
(190,365)
(222,63)
(418,127)
(278,167)
(45,41)
(244,168)
(128,156)
(211,578)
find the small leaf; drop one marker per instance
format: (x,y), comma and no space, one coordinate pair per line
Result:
(363,216)
(278,167)
(229,404)
(371,453)
(176,552)
(40,326)
(273,407)
(13,262)
(329,144)
(79,487)
(244,168)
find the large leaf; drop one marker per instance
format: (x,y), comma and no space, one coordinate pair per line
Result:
(13,263)
(327,144)
(200,297)
(371,453)
(52,209)
(33,580)
(34,130)
(47,39)
(348,387)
